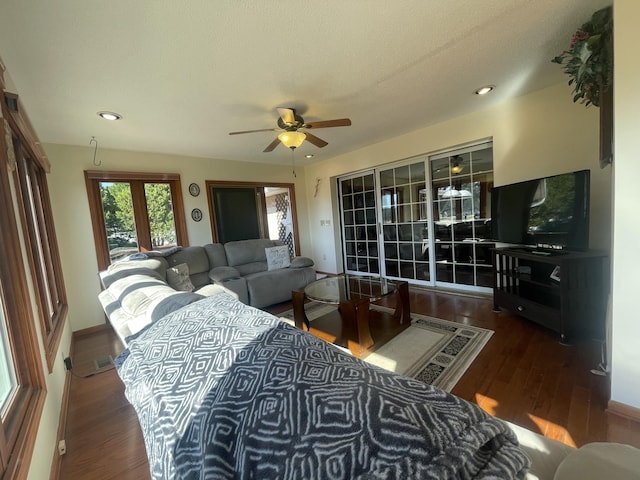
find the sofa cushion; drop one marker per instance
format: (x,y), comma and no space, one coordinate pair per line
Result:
(242,252)
(155,267)
(178,278)
(164,306)
(301,262)
(253,267)
(222,274)
(194,256)
(595,461)
(275,286)
(136,293)
(216,254)
(277,257)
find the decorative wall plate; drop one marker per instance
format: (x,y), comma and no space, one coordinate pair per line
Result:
(196,214)
(194,189)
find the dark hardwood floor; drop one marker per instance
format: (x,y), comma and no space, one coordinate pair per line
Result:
(523,375)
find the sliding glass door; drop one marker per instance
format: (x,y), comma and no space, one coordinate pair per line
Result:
(426,220)
(404,211)
(461,183)
(359,223)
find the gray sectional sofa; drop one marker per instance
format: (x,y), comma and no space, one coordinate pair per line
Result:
(146,286)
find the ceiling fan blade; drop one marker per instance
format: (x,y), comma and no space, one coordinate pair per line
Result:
(253,131)
(272,145)
(339,122)
(288,115)
(318,142)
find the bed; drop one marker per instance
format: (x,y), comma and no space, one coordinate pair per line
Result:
(224,390)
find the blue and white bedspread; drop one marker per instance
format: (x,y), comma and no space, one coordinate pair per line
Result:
(223,390)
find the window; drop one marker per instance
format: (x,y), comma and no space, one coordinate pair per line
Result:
(31,184)
(134,212)
(22,392)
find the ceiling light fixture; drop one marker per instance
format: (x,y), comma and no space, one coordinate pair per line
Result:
(456,165)
(110,115)
(484,90)
(292,139)
(309,155)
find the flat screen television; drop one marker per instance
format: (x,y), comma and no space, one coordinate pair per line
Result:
(548,214)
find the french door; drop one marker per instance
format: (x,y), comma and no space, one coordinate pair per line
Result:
(426,220)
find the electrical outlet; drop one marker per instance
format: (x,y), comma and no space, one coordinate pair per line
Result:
(62,447)
(67,363)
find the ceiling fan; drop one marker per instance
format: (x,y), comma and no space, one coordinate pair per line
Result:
(290,123)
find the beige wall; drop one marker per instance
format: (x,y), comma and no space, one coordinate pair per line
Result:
(625,367)
(535,135)
(73,224)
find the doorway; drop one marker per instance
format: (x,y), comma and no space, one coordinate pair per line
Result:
(245,210)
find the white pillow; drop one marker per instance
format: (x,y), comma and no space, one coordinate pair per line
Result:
(178,278)
(277,257)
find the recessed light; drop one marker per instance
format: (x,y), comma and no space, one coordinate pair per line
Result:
(110,115)
(309,155)
(484,90)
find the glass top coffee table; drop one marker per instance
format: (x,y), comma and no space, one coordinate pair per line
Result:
(354,325)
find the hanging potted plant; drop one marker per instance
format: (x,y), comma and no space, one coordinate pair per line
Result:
(589,58)
(589,63)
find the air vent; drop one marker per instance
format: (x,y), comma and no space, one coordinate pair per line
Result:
(103,362)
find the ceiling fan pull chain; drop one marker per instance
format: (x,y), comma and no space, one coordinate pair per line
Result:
(293,162)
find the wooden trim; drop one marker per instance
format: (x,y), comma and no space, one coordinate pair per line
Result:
(18,441)
(623,410)
(91,330)
(97,223)
(62,423)
(19,122)
(116,176)
(179,215)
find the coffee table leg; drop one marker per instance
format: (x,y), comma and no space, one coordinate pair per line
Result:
(355,318)
(299,315)
(402,312)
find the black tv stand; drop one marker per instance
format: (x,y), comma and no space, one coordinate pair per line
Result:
(564,291)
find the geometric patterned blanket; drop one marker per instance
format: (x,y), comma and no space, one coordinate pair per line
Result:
(223,390)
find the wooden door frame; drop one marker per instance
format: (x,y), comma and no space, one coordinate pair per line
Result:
(259,187)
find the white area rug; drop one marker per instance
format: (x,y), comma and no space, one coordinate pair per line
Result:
(435,351)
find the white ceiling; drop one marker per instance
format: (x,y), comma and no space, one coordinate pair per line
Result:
(185,73)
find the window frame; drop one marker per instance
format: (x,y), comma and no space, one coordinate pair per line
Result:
(20,423)
(44,259)
(93,178)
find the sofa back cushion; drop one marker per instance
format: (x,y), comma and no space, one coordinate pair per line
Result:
(156,267)
(198,262)
(216,254)
(243,252)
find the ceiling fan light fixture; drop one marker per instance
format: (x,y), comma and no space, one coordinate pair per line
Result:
(456,165)
(292,139)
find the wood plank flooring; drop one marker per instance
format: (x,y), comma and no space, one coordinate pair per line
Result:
(523,375)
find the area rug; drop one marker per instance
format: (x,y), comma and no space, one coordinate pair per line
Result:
(431,350)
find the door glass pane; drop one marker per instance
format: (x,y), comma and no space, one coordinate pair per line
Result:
(279,217)
(461,188)
(120,226)
(160,212)
(360,237)
(404,215)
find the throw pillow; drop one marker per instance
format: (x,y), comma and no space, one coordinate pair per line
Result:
(178,278)
(277,257)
